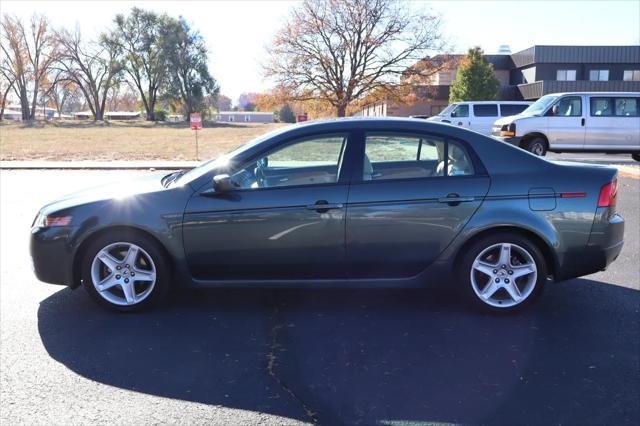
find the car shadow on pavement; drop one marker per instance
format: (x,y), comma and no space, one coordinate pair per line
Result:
(367,356)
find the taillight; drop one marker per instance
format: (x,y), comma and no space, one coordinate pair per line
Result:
(608,194)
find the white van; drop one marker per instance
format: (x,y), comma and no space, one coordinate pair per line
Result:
(587,122)
(479,116)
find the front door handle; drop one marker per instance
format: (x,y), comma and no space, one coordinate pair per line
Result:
(323,206)
(455,199)
(583,121)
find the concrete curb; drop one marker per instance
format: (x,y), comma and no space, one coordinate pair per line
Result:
(97,165)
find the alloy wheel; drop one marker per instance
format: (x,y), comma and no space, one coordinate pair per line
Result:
(503,275)
(123,273)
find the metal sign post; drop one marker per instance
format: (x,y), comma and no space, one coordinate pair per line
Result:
(196,124)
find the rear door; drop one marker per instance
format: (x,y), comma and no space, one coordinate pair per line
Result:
(613,123)
(484,115)
(566,123)
(410,196)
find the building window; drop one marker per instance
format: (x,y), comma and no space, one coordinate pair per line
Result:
(631,75)
(247,118)
(599,75)
(231,118)
(566,75)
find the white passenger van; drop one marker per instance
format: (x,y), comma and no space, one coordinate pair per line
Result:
(480,115)
(587,122)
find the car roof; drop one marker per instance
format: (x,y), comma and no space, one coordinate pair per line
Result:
(595,94)
(492,102)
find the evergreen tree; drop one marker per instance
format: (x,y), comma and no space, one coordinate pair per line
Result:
(476,80)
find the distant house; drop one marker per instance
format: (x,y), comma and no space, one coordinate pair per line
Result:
(244,117)
(111,115)
(14,112)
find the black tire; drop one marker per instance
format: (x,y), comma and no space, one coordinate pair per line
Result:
(636,156)
(152,249)
(536,145)
(468,258)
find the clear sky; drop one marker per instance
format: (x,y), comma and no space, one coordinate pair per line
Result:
(237,32)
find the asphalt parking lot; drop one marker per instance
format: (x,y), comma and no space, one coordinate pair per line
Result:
(304,356)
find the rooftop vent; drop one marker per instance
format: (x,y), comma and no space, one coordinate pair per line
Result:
(504,49)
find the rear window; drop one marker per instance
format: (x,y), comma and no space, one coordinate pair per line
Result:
(508,109)
(485,110)
(626,107)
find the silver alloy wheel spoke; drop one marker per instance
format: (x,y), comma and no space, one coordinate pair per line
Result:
(484,267)
(110,261)
(490,290)
(523,270)
(142,275)
(118,284)
(514,291)
(505,255)
(506,282)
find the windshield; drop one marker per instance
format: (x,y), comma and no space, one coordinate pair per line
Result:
(448,109)
(225,159)
(539,106)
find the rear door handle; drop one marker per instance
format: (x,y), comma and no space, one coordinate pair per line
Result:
(323,206)
(454,199)
(583,121)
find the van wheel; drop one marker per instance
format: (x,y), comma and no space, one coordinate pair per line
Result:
(537,146)
(502,273)
(636,156)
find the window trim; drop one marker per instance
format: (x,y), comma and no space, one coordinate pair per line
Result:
(599,72)
(566,72)
(613,109)
(633,73)
(345,170)
(357,167)
(547,113)
(615,106)
(497,107)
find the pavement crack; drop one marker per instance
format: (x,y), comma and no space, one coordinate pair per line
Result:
(272,363)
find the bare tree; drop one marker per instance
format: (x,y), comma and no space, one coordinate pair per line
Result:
(59,92)
(27,58)
(94,67)
(6,84)
(340,51)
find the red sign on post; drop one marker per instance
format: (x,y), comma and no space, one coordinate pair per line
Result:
(196,121)
(301,117)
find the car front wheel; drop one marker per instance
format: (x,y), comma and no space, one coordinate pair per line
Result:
(503,273)
(125,271)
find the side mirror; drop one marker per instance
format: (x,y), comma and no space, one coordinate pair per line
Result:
(454,114)
(223,183)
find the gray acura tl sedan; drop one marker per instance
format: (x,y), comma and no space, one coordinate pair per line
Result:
(364,202)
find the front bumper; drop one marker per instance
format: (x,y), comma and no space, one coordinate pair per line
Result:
(513,140)
(52,255)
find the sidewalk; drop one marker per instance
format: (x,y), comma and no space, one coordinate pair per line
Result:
(97,165)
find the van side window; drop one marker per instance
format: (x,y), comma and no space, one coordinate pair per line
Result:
(601,107)
(510,109)
(626,107)
(569,106)
(485,110)
(460,111)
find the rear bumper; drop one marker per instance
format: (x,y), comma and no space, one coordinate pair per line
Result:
(603,248)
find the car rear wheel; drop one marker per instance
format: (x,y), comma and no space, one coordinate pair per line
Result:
(502,273)
(125,271)
(537,146)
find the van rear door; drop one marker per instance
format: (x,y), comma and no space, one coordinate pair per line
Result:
(484,115)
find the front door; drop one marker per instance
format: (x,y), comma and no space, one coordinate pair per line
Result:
(285,220)
(415,194)
(566,123)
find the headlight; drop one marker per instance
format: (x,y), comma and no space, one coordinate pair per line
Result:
(49,221)
(508,130)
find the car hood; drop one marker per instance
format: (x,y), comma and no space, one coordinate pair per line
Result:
(117,190)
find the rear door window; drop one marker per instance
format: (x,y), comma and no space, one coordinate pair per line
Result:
(626,107)
(490,110)
(601,107)
(509,109)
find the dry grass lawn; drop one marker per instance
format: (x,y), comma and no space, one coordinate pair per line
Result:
(124,140)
